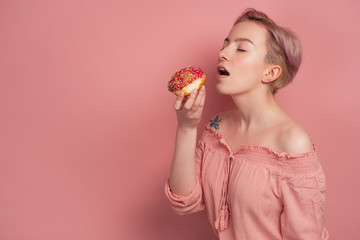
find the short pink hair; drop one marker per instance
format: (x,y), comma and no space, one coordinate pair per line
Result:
(283,47)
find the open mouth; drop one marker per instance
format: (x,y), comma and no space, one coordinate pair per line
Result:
(223,72)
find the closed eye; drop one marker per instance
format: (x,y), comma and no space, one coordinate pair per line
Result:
(241,50)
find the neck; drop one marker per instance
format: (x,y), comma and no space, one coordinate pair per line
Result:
(256,110)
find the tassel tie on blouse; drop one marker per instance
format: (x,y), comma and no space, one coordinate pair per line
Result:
(222,219)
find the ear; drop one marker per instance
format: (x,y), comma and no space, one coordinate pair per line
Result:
(271,73)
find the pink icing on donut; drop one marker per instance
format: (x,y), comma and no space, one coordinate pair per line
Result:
(184,77)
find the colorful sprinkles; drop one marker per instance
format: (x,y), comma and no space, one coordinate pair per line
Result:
(184,77)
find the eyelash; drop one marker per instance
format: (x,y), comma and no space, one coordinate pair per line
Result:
(240,50)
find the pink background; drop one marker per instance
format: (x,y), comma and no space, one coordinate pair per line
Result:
(87,126)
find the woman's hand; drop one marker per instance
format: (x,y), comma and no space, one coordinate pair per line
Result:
(189,109)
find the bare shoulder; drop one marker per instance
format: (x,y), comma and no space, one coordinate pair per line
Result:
(294,139)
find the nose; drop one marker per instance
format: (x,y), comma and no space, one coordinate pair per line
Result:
(222,55)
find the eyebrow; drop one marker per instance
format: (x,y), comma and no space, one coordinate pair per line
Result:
(240,40)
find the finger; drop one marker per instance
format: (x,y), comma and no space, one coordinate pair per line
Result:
(189,103)
(186,97)
(202,102)
(198,98)
(179,99)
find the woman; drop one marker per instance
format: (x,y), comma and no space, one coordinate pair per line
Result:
(255,169)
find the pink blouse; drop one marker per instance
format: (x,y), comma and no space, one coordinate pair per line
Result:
(256,193)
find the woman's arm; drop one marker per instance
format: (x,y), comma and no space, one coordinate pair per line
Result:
(183,174)
(182,177)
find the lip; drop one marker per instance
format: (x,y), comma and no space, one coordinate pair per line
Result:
(221,66)
(221,77)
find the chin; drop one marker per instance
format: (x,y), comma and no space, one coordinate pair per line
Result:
(218,88)
(230,91)
(222,90)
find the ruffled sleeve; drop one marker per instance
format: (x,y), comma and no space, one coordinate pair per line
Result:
(194,201)
(304,207)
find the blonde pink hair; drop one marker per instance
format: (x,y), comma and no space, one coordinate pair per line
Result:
(283,47)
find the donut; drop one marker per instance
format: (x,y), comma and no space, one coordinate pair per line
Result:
(186,80)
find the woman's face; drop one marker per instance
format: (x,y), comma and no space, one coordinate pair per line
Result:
(242,58)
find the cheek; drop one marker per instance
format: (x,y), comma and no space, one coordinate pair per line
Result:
(250,65)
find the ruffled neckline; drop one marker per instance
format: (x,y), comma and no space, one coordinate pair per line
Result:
(253,147)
